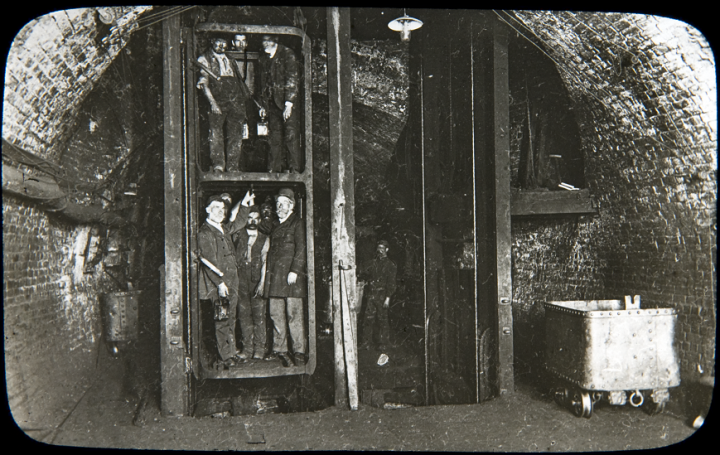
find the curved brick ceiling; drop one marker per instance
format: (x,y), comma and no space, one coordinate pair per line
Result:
(52,65)
(645,95)
(657,74)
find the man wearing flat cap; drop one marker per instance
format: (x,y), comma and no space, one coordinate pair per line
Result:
(218,278)
(286,280)
(380,274)
(226,94)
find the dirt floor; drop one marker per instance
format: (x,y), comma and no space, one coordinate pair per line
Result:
(528,420)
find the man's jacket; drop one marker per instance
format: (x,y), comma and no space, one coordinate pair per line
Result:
(209,60)
(279,77)
(218,249)
(380,274)
(287,254)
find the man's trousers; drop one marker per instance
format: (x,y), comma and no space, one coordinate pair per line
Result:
(225,330)
(376,314)
(283,137)
(251,314)
(231,124)
(288,313)
(226,128)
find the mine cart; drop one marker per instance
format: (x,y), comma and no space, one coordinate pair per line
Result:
(610,350)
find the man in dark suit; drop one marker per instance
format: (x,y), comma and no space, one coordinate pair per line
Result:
(279,93)
(218,280)
(251,249)
(286,279)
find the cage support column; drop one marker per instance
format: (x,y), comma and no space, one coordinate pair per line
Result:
(491,118)
(174,387)
(342,181)
(501,129)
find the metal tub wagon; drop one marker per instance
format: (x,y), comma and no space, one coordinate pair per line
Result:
(610,350)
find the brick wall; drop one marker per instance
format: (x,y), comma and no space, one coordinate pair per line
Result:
(51,309)
(645,96)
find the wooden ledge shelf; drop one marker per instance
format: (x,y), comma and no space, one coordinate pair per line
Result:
(529,203)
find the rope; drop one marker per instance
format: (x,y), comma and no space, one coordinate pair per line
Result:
(343,279)
(168,14)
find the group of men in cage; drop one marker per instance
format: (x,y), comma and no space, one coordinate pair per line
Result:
(228,82)
(253,260)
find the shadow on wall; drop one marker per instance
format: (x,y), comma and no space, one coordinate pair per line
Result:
(545,138)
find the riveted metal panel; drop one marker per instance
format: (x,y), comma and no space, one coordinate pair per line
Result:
(601,345)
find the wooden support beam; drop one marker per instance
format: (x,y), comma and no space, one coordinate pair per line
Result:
(503,237)
(525,203)
(46,191)
(35,187)
(492,189)
(342,181)
(174,385)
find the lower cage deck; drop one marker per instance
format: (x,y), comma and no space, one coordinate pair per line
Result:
(252,368)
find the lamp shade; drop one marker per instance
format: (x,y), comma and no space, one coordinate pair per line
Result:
(404,23)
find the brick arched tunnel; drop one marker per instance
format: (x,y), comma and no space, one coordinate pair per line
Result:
(632,101)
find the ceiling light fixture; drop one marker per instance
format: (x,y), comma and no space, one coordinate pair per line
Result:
(405,25)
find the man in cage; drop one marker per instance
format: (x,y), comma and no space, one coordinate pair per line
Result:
(218,280)
(245,66)
(227,93)
(279,98)
(286,280)
(251,249)
(269,219)
(380,274)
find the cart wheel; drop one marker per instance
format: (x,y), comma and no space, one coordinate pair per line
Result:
(582,404)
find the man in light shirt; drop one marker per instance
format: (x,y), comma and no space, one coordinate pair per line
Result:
(251,248)
(279,97)
(245,65)
(223,90)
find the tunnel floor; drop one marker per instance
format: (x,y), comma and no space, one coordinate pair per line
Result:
(528,420)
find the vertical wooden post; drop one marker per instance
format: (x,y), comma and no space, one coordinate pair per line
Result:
(491,117)
(172,349)
(342,181)
(503,237)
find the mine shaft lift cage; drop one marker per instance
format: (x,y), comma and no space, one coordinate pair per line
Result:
(199,185)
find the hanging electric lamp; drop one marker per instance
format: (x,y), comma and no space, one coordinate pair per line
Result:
(405,25)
